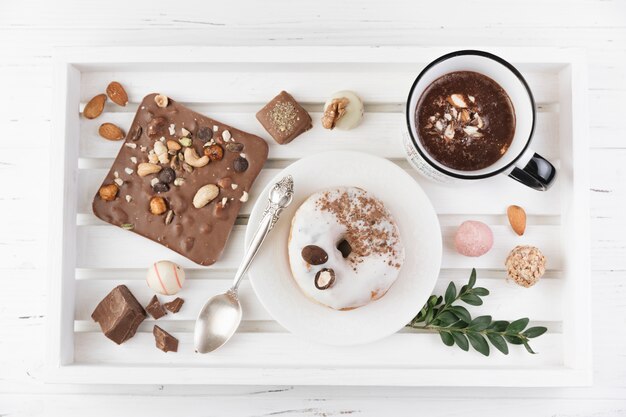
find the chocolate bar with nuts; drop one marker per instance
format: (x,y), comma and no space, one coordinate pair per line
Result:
(180,179)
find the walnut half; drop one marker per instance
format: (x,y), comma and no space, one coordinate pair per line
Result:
(334,111)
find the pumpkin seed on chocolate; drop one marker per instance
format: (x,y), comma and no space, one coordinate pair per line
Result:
(324,279)
(314,255)
(167,175)
(205,134)
(240,164)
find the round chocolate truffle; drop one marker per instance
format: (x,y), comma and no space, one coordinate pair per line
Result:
(525,265)
(165,277)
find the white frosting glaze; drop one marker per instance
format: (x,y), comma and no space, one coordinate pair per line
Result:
(359,279)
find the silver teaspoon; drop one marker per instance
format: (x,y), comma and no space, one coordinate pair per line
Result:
(220,317)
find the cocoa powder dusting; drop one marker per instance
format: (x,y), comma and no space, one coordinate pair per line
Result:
(369,228)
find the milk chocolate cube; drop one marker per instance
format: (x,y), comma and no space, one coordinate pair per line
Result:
(284,118)
(119,314)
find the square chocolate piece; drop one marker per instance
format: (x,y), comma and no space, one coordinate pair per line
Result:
(164,341)
(180,179)
(119,314)
(284,118)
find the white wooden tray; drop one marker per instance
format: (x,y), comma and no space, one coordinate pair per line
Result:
(88,257)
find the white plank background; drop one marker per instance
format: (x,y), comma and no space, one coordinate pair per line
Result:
(29,30)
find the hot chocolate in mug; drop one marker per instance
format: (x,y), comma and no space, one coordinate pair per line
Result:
(518,161)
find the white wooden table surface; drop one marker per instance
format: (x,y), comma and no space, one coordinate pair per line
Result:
(28,32)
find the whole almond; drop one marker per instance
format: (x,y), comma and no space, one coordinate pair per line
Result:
(517,218)
(117,94)
(95,106)
(111,132)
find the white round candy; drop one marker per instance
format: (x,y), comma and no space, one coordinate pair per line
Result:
(165,277)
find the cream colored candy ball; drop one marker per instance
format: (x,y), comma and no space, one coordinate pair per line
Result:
(165,277)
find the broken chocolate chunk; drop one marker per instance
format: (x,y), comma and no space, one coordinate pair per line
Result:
(155,308)
(324,279)
(164,341)
(174,305)
(314,255)
(284,118)
(119,314)
(345,248)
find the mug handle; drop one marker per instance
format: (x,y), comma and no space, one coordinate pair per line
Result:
(538,173)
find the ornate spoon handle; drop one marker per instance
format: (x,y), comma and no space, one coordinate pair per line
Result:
(280,196)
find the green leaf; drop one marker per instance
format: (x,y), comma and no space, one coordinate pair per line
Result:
(472,299)
(517,326)
(429,315)
(463,291)
(480,323)
(460,340)
(447,318)
(432,301)
(499,325)
(459,325)
(462,313)
(450,293)
(481,291)
(446,338)
(528,348)
(439,300)
(472,279)
(534,332)
(498,342)
(515,340)
(479,343)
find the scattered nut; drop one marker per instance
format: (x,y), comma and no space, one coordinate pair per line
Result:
(472,99)
(157,205)
(127,226)
(154,181)
(153,158)
(457,100)
(465,116)
(128,171)
(226,135)
(234,186)
(192,158)
(517,219)
(161,100)
(117,94)
(205,195)
(179,181)
(244,197)
(161,152)
(108,192)
(131,145)
(224,182)
(160,187)
(146,168)
(188,168)
(185,132)
(95,106)
(214,152)
(111,132)
(172,129)
(133,159)
(172,145)
(118,181)
(128,198)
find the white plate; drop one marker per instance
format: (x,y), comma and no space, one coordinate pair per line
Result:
(419,230)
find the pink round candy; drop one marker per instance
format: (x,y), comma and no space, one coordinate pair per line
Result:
(473,238)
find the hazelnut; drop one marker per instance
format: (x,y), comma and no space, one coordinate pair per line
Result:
(161,100)
(157,205)
(108,192)
(214,152)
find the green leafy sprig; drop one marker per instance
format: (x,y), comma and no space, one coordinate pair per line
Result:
(455,325)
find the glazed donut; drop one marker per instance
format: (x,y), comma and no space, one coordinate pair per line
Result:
(344,248)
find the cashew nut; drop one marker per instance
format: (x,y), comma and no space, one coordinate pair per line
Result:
(205,195)
(161,152)
(146,168)
(192,158)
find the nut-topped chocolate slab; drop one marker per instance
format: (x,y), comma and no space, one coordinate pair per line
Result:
(180,179)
